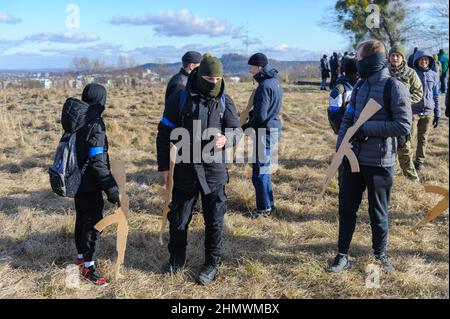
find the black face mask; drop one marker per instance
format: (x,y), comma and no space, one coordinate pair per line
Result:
(208,89)
(371,65)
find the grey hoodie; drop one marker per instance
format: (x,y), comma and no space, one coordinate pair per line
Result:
(431,86)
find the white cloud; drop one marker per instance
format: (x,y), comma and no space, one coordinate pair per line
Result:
(68,37)
(282,47)
(182,24)
(6,18)
(97,49)
(284,52)
(6,44)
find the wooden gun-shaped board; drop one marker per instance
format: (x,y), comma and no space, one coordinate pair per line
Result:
(119,217)
(167,191)
(438,209)
(345,150)
(246,113)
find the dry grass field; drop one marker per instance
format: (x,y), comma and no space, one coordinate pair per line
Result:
(284,256)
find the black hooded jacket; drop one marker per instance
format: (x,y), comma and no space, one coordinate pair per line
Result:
(209,176)
(84,117)
(177,83)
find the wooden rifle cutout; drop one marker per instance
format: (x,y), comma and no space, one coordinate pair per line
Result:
(119,217)
(246,113)
(345,150)
(438,209)
(167,192)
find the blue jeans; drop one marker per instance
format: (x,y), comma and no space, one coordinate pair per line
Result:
(324,83)
(261,170)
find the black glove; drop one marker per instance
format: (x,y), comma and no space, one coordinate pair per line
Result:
(359,136)
(436,122)
(113,196)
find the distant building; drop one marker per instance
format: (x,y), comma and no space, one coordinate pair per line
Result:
(48,84)
(234,79)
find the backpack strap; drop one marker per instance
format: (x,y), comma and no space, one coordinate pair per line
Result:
(387,93)
(358,85)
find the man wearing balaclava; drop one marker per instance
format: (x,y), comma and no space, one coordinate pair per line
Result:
(202,111)
(85,118)
(375,146)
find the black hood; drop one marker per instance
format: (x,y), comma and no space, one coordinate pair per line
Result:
(74,115)
(94,94)
(77,114)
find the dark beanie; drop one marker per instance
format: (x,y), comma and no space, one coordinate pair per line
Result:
(192,57)
(398,49)
(210,66)
(258,59)
(350,66)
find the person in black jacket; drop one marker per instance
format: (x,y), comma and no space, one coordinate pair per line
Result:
(204,105)
(190,60)
(324,72)
(92,143)
(334,68)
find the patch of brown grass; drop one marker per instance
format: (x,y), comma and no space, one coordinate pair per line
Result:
(284,256)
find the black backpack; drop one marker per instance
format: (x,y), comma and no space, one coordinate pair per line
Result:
(65,175)
(335,117)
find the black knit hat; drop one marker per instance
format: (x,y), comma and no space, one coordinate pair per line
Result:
(258,59)
(192,57)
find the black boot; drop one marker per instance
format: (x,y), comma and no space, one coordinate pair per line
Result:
(175,264)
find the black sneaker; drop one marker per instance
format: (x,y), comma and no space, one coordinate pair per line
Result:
(93,276)
(340,264)
(385,264)
(175,264)
(257,214)
(207,275)
(171,270)
(418,166)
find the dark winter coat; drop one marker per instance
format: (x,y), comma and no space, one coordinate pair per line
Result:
(92,142)
(210,176)
(268,101)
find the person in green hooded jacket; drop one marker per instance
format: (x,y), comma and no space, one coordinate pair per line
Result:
(402,72)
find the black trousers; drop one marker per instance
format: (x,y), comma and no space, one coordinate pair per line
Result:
(180,215)
(378,181)
(89,208)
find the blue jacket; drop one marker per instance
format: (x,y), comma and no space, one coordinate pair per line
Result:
(431,86)
(268,100)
